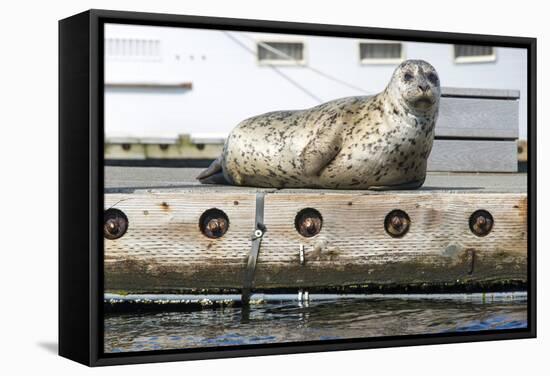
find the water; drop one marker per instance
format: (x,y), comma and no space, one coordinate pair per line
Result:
(322,318)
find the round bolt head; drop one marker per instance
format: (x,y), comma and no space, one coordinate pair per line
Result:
(308,222)
(397,223)
(214,223)
(115,224)
(481,222)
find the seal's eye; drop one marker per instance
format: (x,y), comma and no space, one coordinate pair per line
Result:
(432,77)
(408,76)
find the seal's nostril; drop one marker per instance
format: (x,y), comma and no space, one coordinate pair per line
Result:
(423,87)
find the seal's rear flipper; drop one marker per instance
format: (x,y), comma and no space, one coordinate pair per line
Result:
(404,186)
(213,174)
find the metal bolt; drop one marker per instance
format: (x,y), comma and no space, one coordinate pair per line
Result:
(216,227)
(115,224)
(309,225)
(214,223)
(520,149)
(397,223)
(481,222)
(308,222)
(302,255)
(258,233)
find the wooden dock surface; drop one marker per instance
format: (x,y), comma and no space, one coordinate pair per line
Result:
(164,250)
(119,179)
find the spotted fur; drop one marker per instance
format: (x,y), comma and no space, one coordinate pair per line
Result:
(366,142)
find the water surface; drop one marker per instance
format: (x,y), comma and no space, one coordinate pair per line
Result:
(322,318)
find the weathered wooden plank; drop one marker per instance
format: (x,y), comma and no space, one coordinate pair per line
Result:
(164,251)
(478,118)
(482,93)
(184,179)
(522,151)
(160,148)
(184,151)
(473,156)
(123,150)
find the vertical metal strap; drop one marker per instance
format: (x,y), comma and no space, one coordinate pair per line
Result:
(257,236)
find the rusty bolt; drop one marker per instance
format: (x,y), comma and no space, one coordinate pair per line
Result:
(163,146)
(397,223)
(520,149)
(115,224)
(126,147)
(308,222)
(217,226)
(481,222)
(214,223)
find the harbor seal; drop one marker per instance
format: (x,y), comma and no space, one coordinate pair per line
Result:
(367,142)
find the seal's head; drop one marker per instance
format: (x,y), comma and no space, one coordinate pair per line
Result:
(415,83)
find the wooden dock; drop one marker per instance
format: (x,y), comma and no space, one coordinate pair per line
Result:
(459,230)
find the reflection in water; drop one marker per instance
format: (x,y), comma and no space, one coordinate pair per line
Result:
(317,320)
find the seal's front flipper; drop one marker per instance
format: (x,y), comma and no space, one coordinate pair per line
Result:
(319,153)
(213,174)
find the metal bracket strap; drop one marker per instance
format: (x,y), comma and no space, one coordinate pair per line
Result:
(257,235)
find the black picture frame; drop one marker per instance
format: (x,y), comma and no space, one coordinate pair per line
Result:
(81,184)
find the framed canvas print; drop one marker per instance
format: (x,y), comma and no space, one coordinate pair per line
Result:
(235,187)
